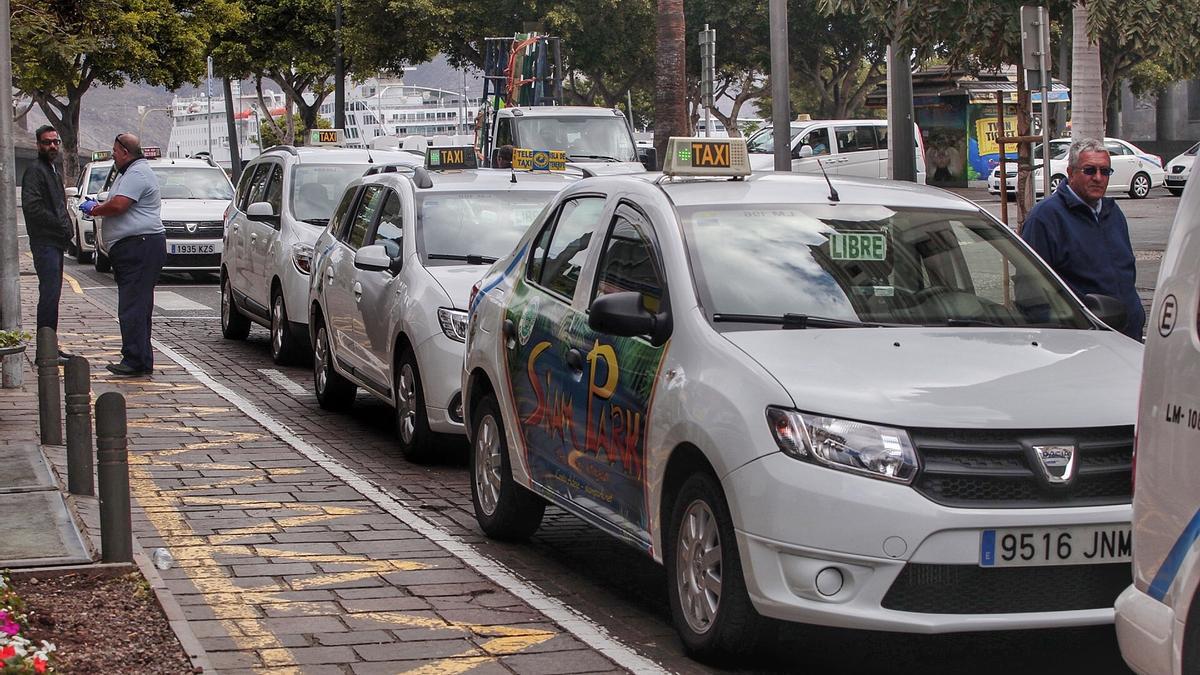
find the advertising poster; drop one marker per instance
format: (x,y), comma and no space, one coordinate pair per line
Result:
(945,136)
(983,152)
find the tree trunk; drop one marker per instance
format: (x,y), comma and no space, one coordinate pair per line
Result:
(1087,101)
(289,137)
(670,88)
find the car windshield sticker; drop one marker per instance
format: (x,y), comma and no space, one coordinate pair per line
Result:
(857,246)
(584,432)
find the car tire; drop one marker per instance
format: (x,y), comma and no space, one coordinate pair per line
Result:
(412,420)
(285,347)
(1139,187)
(234,324)
(1056,181)
(710,606)
(101,263)
(1178,192)
(504,509)
(83,257)
(72,249)
(334,392)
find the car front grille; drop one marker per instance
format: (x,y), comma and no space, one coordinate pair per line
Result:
(202,229)
(988,469)
(970,589)
(194,260)
(1177,169)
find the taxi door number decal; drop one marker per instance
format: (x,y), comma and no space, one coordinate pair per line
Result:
(857,246)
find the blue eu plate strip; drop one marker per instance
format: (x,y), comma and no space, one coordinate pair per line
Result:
(987,548)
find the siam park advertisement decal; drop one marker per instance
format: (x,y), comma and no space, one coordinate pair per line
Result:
(584,431)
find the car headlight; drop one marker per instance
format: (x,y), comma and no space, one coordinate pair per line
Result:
(845,445)
(302,255)
(454,323)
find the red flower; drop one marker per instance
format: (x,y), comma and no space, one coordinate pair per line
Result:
(39,665)
(8,652)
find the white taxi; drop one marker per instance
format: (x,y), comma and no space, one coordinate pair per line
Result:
(87,186)
(847,402)
(392,275)
(1158,617)
(1179,168)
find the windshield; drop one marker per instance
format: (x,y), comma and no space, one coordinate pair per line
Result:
(763,141)
(1057,150)
(96,178)
(454,225)
(178,182)
(584,138)
(871,264)
(317,187)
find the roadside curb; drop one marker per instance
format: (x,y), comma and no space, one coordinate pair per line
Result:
(174,613)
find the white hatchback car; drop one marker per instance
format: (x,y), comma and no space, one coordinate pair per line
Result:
(1135,171)
(284,200)
(91,180)
(861,404)
(394,271)
(1179,169)
(1158,617)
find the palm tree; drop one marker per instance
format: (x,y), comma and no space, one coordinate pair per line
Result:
(670,86)
(1087,100)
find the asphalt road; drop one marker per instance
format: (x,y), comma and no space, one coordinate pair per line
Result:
(612,585)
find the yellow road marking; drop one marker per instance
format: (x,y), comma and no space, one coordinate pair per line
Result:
(74,284)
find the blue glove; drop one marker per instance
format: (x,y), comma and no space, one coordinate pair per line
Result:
(88,205)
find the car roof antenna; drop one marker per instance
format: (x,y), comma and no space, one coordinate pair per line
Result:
(513,173)
(833,195)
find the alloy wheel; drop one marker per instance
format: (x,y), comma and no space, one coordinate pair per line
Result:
(321,374)
(487,464)
(698,566)
(277,325)
(226,305)
(1141,185)
(406,403)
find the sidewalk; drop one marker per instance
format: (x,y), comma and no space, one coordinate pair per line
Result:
(288,562)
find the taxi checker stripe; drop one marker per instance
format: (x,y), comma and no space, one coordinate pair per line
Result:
(496,282)
(1170,567)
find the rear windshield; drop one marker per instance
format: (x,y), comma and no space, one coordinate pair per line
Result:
(587,139)
(487,224)
(180,182)
(871,264)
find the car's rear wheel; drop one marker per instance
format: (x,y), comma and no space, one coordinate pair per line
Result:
(504,509)
(1056,181)
(334,392)
(100,262)
(1139,187)
(709,603)
(285,347)
(412,422)
(234,324)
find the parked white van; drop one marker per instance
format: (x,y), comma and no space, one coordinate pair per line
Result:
(844,148)
(1158,617)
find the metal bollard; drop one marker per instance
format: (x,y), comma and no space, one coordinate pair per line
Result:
(116,525)
(49,393)
(78,386)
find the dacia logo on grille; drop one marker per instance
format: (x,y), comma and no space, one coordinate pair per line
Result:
(191,227)
(1057,462)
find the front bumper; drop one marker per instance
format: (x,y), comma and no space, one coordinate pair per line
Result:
(440,361)
(1151,638)
(904,563)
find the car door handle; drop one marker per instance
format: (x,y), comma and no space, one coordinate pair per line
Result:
(253,237)
(234,229)
(357,291)
(329,274)
(575,360)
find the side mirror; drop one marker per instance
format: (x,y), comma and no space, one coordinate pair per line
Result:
(649,158)
(1108,309)
(102,197)
(373,258)
(624,315)
(72,192)
(260,211)
(803,152)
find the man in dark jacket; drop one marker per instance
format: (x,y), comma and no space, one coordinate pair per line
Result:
(1083,235)
(44,203)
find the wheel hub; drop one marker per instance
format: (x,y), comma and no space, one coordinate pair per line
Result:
(487,465)
(406,403)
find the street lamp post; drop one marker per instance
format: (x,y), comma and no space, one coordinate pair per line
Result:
(142,112)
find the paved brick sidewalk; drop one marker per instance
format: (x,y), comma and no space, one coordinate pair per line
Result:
(282,565)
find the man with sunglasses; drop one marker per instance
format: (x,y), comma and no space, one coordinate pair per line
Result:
(1083,235)
(137,248)
(44,204)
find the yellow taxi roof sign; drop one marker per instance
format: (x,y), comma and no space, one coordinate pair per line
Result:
(525,159)
(326,137)
(453,158)
(102,155)
(706,157)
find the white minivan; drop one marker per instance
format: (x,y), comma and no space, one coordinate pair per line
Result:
(1158,617)
(844,148)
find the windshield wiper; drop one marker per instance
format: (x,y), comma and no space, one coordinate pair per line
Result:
(972,322)
(793,321)
(470,259)
(320,222)
(603,157)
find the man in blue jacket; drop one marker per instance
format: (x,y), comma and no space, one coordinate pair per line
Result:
(1083,235)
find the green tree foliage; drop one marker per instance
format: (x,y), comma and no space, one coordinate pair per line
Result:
(271,136)
(61,48)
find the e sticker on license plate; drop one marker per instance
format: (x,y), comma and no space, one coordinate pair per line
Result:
(857,246)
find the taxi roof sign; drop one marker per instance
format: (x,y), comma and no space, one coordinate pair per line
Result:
(102,155)
(152,152)
(525,159)
(452,158)
(706,157)
(326,137)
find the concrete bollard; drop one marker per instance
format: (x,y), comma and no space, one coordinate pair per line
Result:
(78,386)
(116,525)
(49,392)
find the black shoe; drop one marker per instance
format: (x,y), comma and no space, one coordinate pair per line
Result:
(122,370)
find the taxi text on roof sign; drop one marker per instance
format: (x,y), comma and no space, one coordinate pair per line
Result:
(152,152)
(525,159)
(102,156)
(326,137)
(451,159)
(706,157)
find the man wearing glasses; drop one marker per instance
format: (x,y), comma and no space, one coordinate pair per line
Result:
(44,204)
(137,248)
(1083,235)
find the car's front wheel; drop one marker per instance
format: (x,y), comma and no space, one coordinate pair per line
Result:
(334,392)
(285,344)
(412,423)
(1056,181)
(504,509)
(234,324)
(709,603)
(1139,187)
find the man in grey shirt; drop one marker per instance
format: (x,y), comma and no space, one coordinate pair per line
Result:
(137,248)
